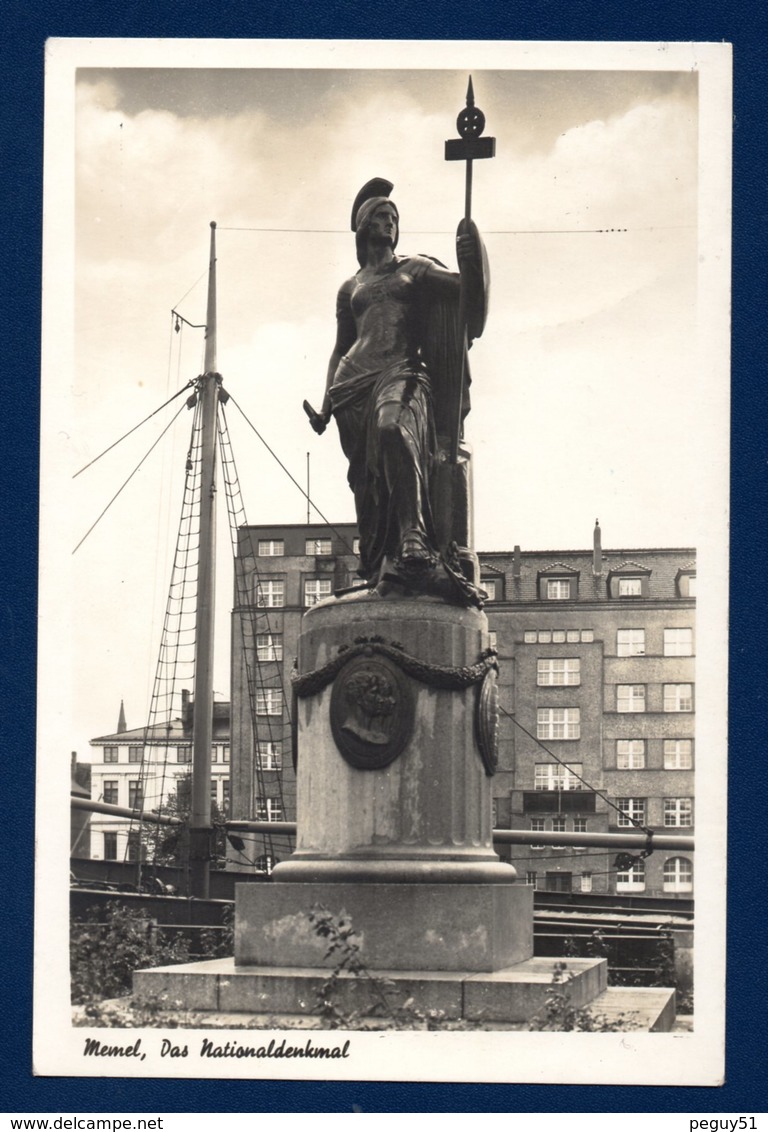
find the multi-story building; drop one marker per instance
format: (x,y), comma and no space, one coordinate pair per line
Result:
(597,694)
(596,653)
(279,573)
(142,768)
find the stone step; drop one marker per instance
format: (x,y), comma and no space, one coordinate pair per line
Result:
(513,995)
(640,1008)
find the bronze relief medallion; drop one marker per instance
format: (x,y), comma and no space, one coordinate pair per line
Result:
(372,712)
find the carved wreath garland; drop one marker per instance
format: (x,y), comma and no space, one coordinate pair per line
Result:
(446,677)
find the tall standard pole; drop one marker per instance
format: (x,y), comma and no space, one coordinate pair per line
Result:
(202,719)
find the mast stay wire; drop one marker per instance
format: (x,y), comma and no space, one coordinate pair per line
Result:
(292,478)
(600,794)
(256,681)
(130,477)
(135,427)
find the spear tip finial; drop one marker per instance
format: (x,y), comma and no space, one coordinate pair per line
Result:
(470,93)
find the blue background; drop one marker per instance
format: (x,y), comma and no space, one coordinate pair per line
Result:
(26,26)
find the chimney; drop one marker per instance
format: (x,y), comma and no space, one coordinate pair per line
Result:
(121,719)
(516,563)
(597,550)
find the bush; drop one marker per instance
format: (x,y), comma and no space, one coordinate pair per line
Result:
(109,945)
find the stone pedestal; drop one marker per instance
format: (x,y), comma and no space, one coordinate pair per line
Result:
(395,712)
(425,815)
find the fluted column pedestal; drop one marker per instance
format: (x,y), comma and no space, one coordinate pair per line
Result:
(395,718)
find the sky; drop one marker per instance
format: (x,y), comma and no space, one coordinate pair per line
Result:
(585,382)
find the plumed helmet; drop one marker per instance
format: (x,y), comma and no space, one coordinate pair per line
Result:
(373,194)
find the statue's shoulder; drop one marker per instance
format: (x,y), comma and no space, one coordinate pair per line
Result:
(418,265)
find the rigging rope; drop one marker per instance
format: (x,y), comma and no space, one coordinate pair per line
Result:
(126,482)
(292,478)
(175,662)
(135,427)
(254,621)
(600,793)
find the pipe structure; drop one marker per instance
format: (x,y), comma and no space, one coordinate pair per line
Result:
(149,816)
(638,840)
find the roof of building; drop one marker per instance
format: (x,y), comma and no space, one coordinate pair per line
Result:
(660,566)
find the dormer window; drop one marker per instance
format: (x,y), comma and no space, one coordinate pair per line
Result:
(558,583)
(629,581)
(686,582)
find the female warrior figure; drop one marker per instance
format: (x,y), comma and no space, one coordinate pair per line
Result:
(382,389)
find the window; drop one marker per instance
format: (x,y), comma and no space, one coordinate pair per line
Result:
(630,642)
(686,583)
(558,723)
(268,756)
(678,642)
(490,585)
(316,589)
(110,754)
(632,879)
(530,637)
(580,826)
(586,882)
(135,754)
(553,776)
(135,794)
(558,589)
(678,697)
(558,826)
(269,646)
(266,863)
(269,702)
(355,545)
(183,754)
(268,809)
(558,636)
(109,791)
(678,875)
(630,697)
(134,846)
(630,587)
(270,594)
(317,546)
(537,826)
(587,635)
(271,548)
(559,882)
(214,754)
(678,754)
(225,754)
(558,670)
(530,878)
(225,796)
(215,791)
(632,811)
(110,846)
(630,754)
(678,812)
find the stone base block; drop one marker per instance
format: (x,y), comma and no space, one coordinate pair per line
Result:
(511,997)
(406,927)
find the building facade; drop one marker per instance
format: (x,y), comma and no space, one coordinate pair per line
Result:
(597,695)
(143,768)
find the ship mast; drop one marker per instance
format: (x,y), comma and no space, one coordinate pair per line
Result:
(201,832)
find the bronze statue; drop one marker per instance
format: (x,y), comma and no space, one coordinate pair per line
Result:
(397,386)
